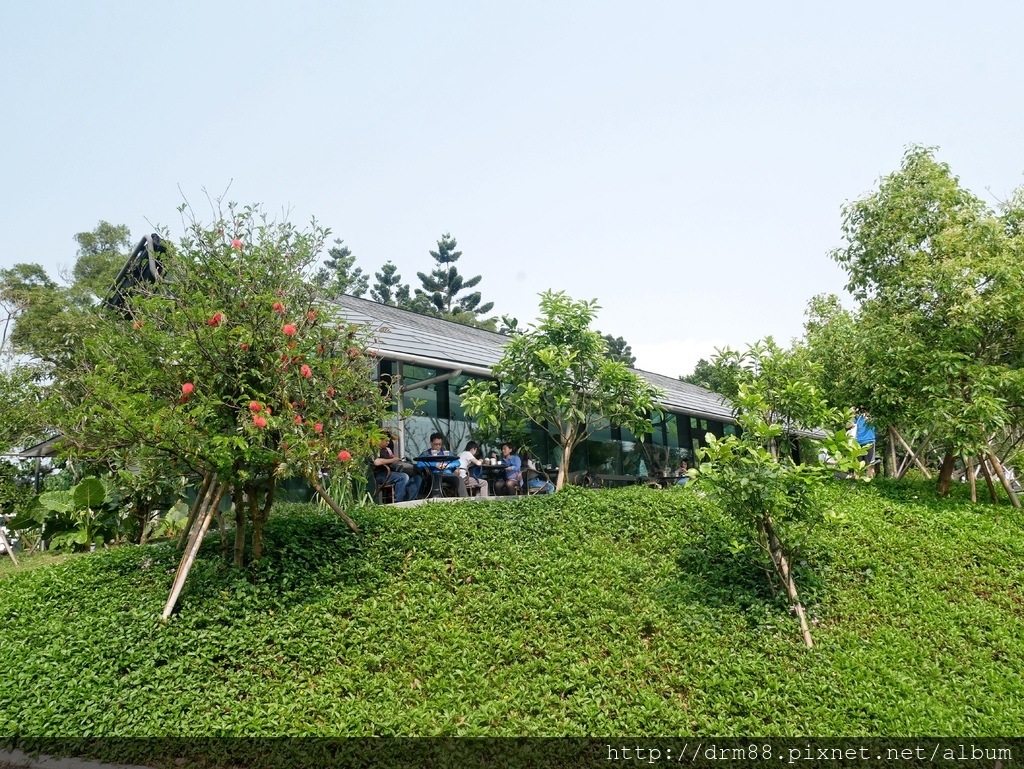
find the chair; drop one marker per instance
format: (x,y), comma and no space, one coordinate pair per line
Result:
(528,475)
(383,488)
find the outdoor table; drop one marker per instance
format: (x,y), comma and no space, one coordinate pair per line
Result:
(438,463)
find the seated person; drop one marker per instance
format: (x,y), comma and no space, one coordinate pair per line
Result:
(535,484)
(683,477)
(447,470)
(469,461)
(513,475)
(406,487)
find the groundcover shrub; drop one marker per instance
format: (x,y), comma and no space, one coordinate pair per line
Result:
(622,612)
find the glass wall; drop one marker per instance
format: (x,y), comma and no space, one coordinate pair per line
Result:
(611,450)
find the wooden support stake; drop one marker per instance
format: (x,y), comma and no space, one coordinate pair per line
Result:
(892,455)
(216,491)
(782,568)
(1002,478)
(194,512)
(332,504)
(970,474)
(988,479)
(7,546)
(910,451)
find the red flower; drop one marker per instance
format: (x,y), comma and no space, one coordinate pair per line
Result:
(306,371)
(298,419)
(284,445)
(187,388)
(216,319)
(284,358)
(278,307)
(269,412)
(288,330)
(254,407)
(330,392)
(353,352)
(319,348)
(236,244)
(245,345)
(259,421)
(344,456)
(291,344)
(318,427)
(311,315)
(137,324)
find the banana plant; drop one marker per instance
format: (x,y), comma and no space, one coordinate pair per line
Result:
(78,518)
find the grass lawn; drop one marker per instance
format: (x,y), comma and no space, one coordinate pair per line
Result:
(617,612)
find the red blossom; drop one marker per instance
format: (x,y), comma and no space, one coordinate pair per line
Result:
(330,392)
(216,319)
(254,406)
(288,330)
(306,371)
(311,315)
(245,345)
(318,427)
(259,421)
(278,307)
(284,357)
(137,324)
(269,411)
(187,388)
(298,419)
(353,352)
(236,244)
(344,456)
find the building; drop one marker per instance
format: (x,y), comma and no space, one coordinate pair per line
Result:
(432,360)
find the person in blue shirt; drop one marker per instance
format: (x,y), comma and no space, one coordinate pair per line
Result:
(865,436)
(513,472)
(447,472)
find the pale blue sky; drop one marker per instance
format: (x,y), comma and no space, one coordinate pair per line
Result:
(684,163)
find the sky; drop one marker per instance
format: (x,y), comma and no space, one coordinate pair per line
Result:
(685,164)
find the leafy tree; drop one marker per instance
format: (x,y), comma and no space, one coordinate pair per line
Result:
(443,285)
(757,482)
(619,349)
(940,328)
(234,367)
(389,288)
(718,375)
(339,275)
(557,372)
(101,254)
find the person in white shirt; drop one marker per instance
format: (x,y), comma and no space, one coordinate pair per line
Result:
(469,460)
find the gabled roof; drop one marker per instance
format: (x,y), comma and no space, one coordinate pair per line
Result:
(405,335)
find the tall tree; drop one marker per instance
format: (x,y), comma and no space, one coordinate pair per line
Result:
(389,288)
(940,278)
(720,375)
(101,254)
(443,285)
(339,275)
(619,349)
(558,372)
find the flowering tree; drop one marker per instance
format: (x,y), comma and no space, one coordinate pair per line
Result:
(231,365)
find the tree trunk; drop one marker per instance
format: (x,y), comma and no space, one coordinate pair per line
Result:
(946,474)
(239,504)
(782,569)
(259,517)
(331,503)
(7,546)
(215,491)
(970,474)
(988,479)
(563,468)
(1002,478)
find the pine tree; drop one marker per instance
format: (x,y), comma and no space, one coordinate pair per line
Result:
(442,286)
(339,275)
(389,288)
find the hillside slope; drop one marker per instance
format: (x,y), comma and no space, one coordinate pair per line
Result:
(587,613)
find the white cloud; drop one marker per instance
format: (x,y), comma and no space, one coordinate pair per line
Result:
(675,357)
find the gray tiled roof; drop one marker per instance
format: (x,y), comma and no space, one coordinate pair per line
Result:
(402,333)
